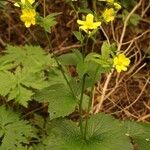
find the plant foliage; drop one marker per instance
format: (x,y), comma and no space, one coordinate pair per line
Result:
(139,133)
(14,132)
(19,76)
(104,132)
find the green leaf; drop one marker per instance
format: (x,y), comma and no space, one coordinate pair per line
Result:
(14,131)
(60,99)
(25,55)
(19,86)
(79,36)
(105,50)
(24,80)
(133,20)
(33,80)
(7,82)
(128,4)
(104,133)
(48,21)
(55,76)
(5,64)
(82,68)
(139,132)
(3,4)
(71,58)
(21,95)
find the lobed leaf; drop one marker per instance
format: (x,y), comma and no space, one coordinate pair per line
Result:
(14,132)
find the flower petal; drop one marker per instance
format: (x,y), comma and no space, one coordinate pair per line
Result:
(84,28)
(117,6)
(17,5)
(89,18)
(27,24)
(80,22)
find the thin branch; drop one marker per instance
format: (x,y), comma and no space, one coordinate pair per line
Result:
(125,24)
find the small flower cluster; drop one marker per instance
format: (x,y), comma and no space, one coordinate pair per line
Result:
(108,15)
(120,62)
(28,15)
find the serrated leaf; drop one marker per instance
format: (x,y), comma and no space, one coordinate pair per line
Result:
(14,53)
(25,55)
(133,20)
(16,132)
(48,21)
(104,133)
(55,76)
(5,64)
(22,71)
(60,99)
(7,82)
(105,50)
(34,80)
(71,58)
(24,80)
(21,95)
(139,132)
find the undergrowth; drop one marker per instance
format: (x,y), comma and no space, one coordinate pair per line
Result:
(30,76)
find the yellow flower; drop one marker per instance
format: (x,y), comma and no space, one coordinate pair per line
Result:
(121,62)
(28,17)
(117,6)
(24,2)
(88,24)
(109,14)
(110,1)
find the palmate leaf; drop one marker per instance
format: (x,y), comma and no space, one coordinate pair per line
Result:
(27,54)
(48,21)
(61,100)
(104,133)
(21,95)
(29,79)
(22,81)
(14,132)
(139,132)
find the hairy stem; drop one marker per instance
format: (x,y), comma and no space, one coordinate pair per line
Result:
(80,105)
(89,105)
(59,65)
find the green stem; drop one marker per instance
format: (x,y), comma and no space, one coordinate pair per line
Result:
(80,105)
(94,5)
(89,105)
(59,65)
